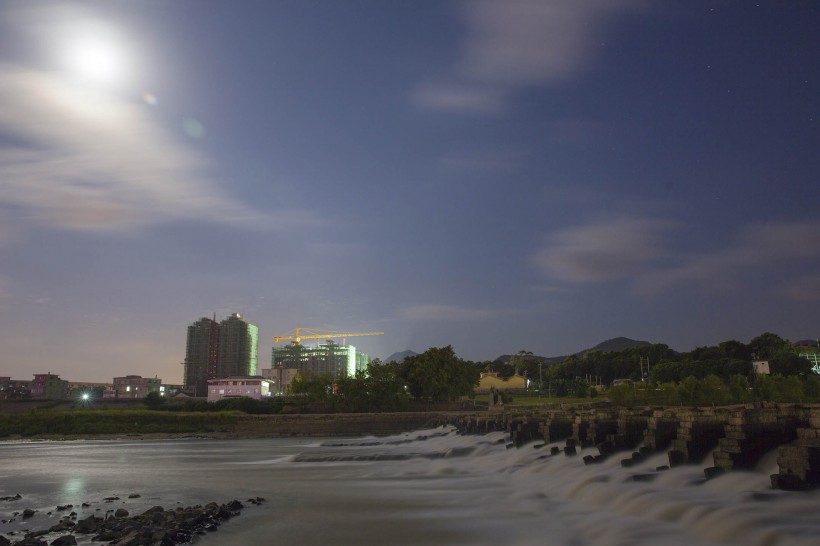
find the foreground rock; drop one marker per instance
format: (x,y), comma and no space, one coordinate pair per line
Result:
(156,526)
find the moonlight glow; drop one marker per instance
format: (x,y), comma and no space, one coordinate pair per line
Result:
(98,59)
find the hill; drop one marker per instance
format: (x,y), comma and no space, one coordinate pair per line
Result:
(614,344)
(399,357)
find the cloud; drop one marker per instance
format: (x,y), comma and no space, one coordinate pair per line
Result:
(482,159)
(72,159)
(603,251)
(806,289)
(758,247)
(641,250)
(458,98)
(517,43)
(444,312)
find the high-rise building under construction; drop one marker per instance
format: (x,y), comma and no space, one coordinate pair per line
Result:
(238,345)
(217,350)
(201,353)
(330,358)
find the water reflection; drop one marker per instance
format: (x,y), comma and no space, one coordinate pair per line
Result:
(424,488)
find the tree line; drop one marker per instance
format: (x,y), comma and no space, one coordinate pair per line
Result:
(436,375)
(722,373)
(711,374)
(653,374)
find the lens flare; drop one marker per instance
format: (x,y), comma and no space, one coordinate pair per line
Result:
(193,128)
(150,99)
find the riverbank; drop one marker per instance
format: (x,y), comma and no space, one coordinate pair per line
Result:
(159,425)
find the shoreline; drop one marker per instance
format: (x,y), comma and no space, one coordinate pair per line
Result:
(249,427)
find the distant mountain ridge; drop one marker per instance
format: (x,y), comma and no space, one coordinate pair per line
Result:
(614,344)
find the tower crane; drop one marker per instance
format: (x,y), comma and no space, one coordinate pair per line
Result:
(296,339)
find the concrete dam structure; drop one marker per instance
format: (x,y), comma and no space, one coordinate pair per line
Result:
(736,436)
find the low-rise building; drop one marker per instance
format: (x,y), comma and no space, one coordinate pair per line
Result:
(280,378)
(49,386)
(170,390)
(14,389)
(255,386)
(133,387)
(761,367)
(5,387)
(491,381)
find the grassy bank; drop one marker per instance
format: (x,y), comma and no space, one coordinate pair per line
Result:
(88,421)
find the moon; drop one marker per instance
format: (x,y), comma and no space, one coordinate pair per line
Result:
(97,59)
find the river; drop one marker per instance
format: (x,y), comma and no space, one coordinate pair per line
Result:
(425,487)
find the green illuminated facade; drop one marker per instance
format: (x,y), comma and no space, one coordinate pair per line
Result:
(238,346)
(331,358)
(814,358)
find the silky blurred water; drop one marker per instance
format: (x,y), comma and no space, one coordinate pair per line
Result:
(427,487)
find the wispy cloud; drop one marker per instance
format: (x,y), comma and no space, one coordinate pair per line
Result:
(444,312)
(806,288)
(758,247)
(485,159)
(517,43)
(79,161)
(603,251)
(642,252)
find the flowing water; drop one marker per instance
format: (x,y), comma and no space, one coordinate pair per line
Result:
(427,487)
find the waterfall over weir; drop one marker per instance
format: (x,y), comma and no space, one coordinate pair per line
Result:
(425,487)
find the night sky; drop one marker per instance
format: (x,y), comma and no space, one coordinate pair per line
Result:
(494,175)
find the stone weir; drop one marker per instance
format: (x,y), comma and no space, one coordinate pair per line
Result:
(736,436)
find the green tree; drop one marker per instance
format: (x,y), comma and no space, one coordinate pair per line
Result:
(763,388)
(788,389)
(739,389)
(623,395)
(314,387)
(713,391)
(525,363)
(768,345)
(438,375)
(788,363)
(500,367)
(812,387)
(735,350)
(153,400)
(689,391)
(379,388)
(669,393)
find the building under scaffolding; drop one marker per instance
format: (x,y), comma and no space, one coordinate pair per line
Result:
(330,357)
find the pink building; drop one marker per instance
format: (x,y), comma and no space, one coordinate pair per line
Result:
(49,386)
(255,386)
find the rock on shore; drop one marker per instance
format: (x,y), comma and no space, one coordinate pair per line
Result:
(156,526)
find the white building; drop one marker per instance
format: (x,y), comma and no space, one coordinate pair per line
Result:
(761,367)
(255,386)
